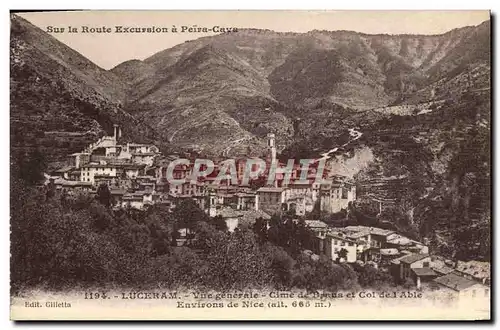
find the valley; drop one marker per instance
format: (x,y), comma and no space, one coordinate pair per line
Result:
(406,116)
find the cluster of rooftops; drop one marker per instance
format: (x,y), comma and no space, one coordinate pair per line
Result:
(405,253)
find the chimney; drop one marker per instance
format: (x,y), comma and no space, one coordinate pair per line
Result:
(77,161)
(116,131)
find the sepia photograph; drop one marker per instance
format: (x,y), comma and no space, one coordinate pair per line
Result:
(250,165)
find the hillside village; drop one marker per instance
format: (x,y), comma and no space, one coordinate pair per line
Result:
(136,176)
(403,258)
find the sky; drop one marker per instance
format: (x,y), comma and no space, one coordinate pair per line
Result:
(110,49)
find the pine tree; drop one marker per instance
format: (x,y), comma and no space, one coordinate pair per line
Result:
(219,223)
(104,195)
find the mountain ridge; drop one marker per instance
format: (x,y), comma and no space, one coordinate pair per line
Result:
(285,75)
(302,72)
(61,101)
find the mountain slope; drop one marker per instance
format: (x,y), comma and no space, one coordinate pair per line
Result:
(226,78)
(212,92)
(133,71)
(60,101)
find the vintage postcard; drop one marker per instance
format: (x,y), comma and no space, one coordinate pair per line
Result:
(250,165)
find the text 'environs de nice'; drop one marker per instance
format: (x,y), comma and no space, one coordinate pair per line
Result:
(140,29)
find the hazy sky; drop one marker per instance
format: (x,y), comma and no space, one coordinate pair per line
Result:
(110,49)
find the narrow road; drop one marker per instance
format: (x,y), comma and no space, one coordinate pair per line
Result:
(353,133)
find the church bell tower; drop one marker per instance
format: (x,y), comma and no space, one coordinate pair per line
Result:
(271,144)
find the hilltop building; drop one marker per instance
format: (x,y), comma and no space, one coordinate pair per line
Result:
(336,195)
